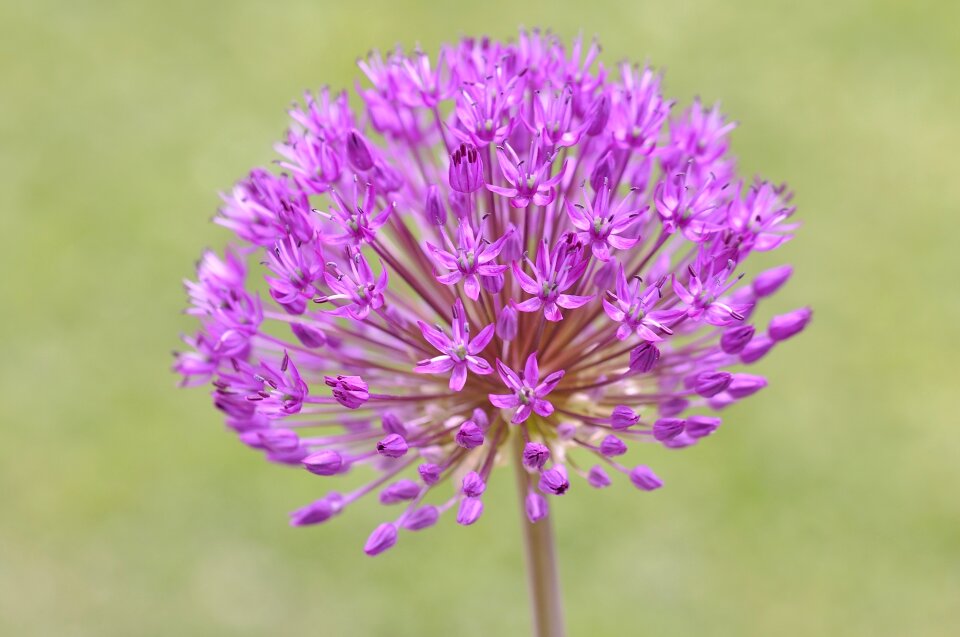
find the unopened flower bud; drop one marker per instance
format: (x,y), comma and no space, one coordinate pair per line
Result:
(492,283)
(673,406)
(598,116)
(279,440)
(604,276)
(711,383)
(736,338)
(466,169)
(429,473)
(554,481)
(358,151)
(436,211)
(318,511)
(597,477)
(771,280)
(744,385)
(422,518)
(473,485)
(469,435)
(393,446)
(613,446)
(324,463)
(645,479)
(470,511)
(667,428)
(400,491)
(623,417)
(310,336)
(757,348)
(480,417)
(790,324)
(602,171)
(701,426)
(512,245)
(536,507)
(507,323)
(382,538)
(392,424)
(535,455)
(643,358)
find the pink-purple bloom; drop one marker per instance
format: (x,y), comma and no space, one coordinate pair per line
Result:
(529,394)
(459,352)
(510,207)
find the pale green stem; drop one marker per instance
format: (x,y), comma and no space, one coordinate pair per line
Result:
(541,559)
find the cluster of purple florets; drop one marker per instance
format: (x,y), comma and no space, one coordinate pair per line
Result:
(509,252)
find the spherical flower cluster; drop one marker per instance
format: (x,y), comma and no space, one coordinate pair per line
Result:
(510,250)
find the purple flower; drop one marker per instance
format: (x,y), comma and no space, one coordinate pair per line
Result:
(350,391)
(699,138)
(362,292)
(529,180)
(600,227)
(554,272)
(702,294)
(356,225)
(528,392)
(471,260)
(639,111)
(459,353)
(281,391)
(580,225)
(688,208)
(633,309)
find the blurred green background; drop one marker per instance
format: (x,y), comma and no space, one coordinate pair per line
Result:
(828,504)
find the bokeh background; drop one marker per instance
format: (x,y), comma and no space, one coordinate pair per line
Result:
(827,505)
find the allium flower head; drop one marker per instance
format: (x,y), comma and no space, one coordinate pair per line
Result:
(507,252)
